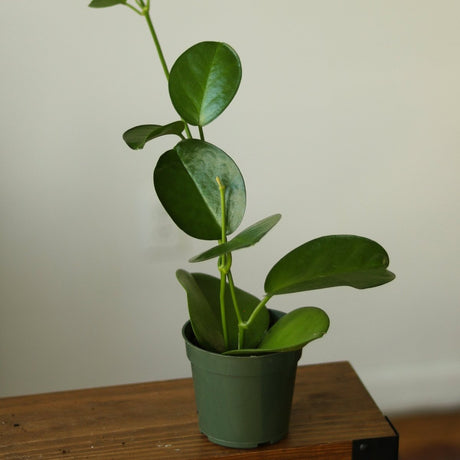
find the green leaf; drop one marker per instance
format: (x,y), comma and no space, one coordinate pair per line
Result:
(138,136)
(105,3)
(185,182)
(203,81)
(291,332)
(246,238)
(203,293)
(203,315)
(328,261)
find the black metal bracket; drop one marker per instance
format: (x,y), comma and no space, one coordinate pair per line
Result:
(377,448)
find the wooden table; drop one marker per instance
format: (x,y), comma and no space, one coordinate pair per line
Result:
(333,417)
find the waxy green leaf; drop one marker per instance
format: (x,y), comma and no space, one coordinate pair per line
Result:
(204,317)
(291,332)
(185,182)
(246,238)
(105,3)
(203,295)
(328,261)
(203,81)
(295,329)
(138,136)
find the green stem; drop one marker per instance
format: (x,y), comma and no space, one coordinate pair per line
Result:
(262,303)
(200,128)
(134,9)
(224,263)
(241,324)
(187,130)
(145,11)
(222,308)
(157,42)
(146,14)
(222,211)
(233,293)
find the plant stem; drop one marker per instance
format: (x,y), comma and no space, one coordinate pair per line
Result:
(200,128)
(241,324)
(134,9)
(223,282)
(157,42)
(224,263)
(233,293)
(262,303)
(146,13)
(223,222)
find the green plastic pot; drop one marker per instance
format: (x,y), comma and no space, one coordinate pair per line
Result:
(242,401)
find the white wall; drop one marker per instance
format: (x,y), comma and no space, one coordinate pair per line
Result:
(347,121)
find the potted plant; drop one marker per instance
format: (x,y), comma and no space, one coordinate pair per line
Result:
(243,355)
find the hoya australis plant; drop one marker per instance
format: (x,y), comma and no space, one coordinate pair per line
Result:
(203,191)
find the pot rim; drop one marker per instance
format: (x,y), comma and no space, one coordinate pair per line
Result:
(198,349)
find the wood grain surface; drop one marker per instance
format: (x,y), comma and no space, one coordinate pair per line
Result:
(157,420)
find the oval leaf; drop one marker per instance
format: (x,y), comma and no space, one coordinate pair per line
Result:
(203,295)
(328,261)
(138,136)
(185,182)
(105,3)
(203,81)
(204,317)
(246,238)
(291,332)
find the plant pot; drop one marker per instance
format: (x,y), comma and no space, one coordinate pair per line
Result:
(242,401)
